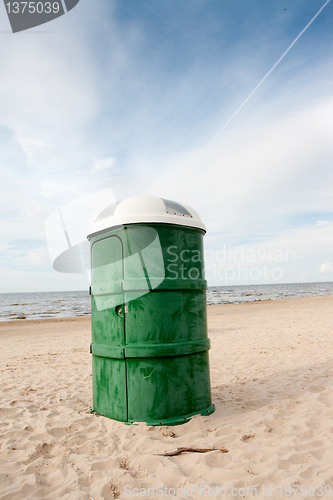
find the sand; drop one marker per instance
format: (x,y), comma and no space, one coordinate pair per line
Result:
(272,383)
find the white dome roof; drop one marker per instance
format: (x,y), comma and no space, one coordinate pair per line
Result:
(141,209)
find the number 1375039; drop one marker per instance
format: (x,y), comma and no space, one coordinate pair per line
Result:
(32,7)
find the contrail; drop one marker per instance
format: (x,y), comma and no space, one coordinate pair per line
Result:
(269,72)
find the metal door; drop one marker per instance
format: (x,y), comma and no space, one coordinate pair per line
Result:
(108,329)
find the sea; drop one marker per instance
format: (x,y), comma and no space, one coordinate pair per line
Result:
(39,305)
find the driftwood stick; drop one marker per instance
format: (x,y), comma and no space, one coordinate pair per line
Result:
(191,450)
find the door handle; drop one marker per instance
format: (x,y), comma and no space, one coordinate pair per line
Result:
(119,310)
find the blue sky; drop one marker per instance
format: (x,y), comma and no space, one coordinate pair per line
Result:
(129,96)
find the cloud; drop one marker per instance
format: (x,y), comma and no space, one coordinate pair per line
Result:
(41,89)
(261,173)
(48,95)
(327,267)
(290,254)
(104,164)
(37,280)
(18,257)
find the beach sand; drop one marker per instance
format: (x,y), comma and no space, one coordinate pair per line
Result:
(272,383)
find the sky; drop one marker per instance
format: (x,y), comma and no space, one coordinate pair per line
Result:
(137,97)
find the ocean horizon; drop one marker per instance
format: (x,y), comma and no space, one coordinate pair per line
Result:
(42,305)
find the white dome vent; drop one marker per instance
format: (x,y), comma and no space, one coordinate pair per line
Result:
(145,209)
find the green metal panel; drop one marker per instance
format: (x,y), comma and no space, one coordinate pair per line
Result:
(166,316)
(109,388)
(150,364)
(161,388)
(108,332)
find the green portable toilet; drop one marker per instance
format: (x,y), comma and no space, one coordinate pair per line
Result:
(148,312)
